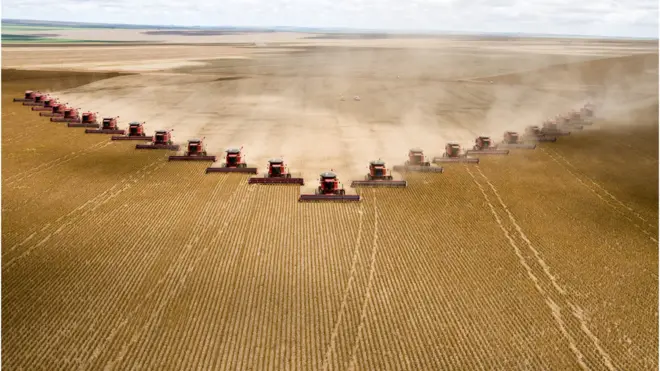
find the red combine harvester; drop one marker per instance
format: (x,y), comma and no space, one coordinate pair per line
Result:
(69,115)
(329,190)
(513,140)
(135,132)
(47,105)
(534,133)
(277,174)
(551,128)
(484,146)
(161,140)
(29,96)
(57,110)
(109,126)
(453,154)
(88,121)
(194,152)
(565,121)
(378,177)
(38,100)
(417,163)
(234,163)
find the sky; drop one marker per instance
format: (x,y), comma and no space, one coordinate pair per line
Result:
(630,18)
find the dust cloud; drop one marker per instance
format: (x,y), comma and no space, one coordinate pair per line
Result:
(291,107)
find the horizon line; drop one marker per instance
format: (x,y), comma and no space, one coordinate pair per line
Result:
(339,29)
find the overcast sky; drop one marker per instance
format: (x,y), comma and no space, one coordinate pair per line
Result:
(583,17)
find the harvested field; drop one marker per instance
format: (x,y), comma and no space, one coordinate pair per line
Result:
(545,259)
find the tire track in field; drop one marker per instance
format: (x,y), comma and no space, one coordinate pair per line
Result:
(556,314)
(593,189)
(349,285)
(10,181)
(555,308)
(367,293)
(177,269)
(594,183)
(93,204)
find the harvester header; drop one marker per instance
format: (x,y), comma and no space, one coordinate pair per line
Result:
(417,162)
(378,176)
(162,139)
(484,146)
(453,154)
(194,152)
(234,163)
(328,190)
(276,173)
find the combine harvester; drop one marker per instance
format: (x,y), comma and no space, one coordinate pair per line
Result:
(484,146)
(417,163)
(276,174)
(328,190)
(551,128)
(580,118)
(162,139)
(234,163)
(194,152)
(378,177)
(47,105)
(28,97)
(135,132)
(88,121)
(109,126)
(38,100)
(588,110)
(57,110)
(453,154)
(565,121)
(534,133)
(69,115)
(513,140)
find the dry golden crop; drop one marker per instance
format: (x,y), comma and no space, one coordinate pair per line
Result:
(117,258)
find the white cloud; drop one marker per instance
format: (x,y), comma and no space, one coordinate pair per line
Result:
(608,18)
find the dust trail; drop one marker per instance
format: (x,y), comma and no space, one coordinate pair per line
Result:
(367,293)
(554,309)
(546,269)
(349,285)
(606,202)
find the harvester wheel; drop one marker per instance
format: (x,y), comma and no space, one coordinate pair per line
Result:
(203,153)
(288,176)
(389,177)
(342,192)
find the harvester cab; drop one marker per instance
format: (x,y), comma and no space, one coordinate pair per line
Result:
(136,129)
(511,137)
(416,158)
(482,143)
(533,131)
(162,137)
(234,158)
(452,150)
(89,118)
(378,176)
(69,115)
(28,97)
(276,174)
(329,184)
(109,123)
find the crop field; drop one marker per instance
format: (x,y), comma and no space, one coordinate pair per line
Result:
(545,259)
